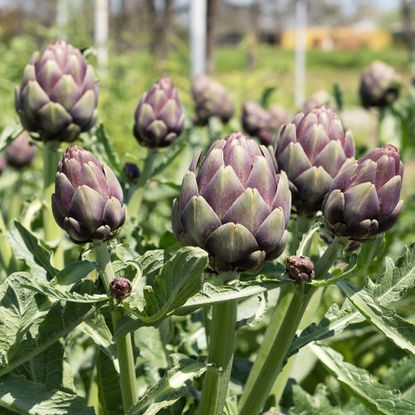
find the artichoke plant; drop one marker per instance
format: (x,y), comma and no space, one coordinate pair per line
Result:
(278,117)
(211,100)
(20,152)
(3,164)
(365,195)
(379,85)
(57,98)
(311,150)
(132,171)
(318,99)
(88,199)
(234,205)
(159,117)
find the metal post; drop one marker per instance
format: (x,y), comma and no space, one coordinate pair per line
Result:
(198,9)
(101,32)
(300,46)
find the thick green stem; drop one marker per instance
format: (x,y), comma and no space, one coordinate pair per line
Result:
(220,357)
(381,118)
(134,203)
(123,343)
(6,254)
(327,259)
(301,226)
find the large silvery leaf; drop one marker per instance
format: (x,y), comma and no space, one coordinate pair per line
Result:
(378,398)
(29,398)
(402,376)
(390,287)
(169,389)
(400,331)
(27,247)
(30,323)
(179,279)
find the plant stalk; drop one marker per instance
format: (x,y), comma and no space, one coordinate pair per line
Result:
(222,338)
(301,226)
(6,254)
(136,199)
(123,344)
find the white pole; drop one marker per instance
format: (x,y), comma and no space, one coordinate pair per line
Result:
(300,46)
(62,18)
(198,9)
(101,32)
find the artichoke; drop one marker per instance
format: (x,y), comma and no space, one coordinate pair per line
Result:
(88,199)
(58,95)
(132,171)
(120,288)
(365,195)
(311,150)
(278,116)
(234,205)
(300,268)
(318,99)
(159,117)
(379,85)
(211,100)
(20,152)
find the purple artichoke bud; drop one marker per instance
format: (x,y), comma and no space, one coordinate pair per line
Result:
(211,100)
(159,117)
(3,164)
(300,268)
(255,121)
(20,152)
(278,116)
(88,199)
(234,205)
(379,85)
(132,171)
(365,195)
(58,94)
(120,288)
(318,99)
(311,150)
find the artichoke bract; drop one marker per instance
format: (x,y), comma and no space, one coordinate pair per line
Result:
(211,100)
(234,205)
(311,150)
(159,117)
(88,199)
(20,153)
(379,85)
(365,196)
(58,94)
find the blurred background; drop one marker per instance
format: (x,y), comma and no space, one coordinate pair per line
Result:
(297,47)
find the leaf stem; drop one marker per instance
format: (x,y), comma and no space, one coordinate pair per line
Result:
(123,343)
(222,338)
(6,254)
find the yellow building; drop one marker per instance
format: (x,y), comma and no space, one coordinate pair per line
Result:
(329,38)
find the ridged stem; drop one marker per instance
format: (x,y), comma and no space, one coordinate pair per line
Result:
(135,201)
(123,344)
(222,336)
(6,254)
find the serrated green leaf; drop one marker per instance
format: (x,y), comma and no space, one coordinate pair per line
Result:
(29,398)
(27,247)
(400,331)
(402,376)
(169,389)
(75,272)
(30,323)
(378,398)
(105,141)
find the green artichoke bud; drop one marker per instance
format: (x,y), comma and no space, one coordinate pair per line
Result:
(88,199)
(234,205)
(300,268)
(58,95)
(120,288)
(365,195)
(318,99)
(311,150)
(20,153)
(379,85)
(211,100)
(159,117)
(132,171)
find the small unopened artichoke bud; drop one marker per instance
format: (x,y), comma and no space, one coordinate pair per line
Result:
(58,94)
(3,164)
(211,100)
(311,150)
(365,195)
(159,117)
(88,199)
(300,268)
(20,152)
(120,288)
(379,85)
(132,171)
